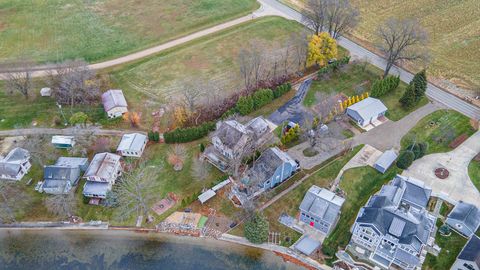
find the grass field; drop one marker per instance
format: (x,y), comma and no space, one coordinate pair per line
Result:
(359,77)
(439,129)
(451,247)
(53,30)
(453,27)
(358,184)
(212,59)
(474,173)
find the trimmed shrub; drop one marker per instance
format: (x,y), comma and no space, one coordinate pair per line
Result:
(405,159)
(150,136)
(261,98)
(156,136)
(202,147)
(281,90)
(245,105)
(183,135)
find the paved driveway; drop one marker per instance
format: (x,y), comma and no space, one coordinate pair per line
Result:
(293,110)
(458,185)
(389,134)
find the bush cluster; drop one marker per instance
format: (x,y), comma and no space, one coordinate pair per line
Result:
(334,66)
(260,98)
(384,86)
(154,136)
(183,135)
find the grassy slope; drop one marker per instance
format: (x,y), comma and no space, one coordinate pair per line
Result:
(53,30)
(358,184)
(356,76)
(440,120)
(452,26)
(291,201)
(474,173)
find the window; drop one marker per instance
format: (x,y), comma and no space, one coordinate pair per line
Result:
(468,266)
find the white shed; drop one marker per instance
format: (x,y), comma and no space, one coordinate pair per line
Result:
(132,145)
(45,92)
(114,103)
(385,161)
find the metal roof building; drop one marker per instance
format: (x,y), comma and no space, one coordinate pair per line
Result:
(114,103)
(132,145)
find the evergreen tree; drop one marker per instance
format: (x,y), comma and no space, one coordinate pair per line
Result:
(408,99)
(420,82)
(405,159)
(256,229)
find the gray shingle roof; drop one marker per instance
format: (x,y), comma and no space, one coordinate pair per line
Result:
(322,203)
(386,159)
(468,214)
(264,167)
(390,216)
(232,133)
(11,164)
(415,191)
(471,251)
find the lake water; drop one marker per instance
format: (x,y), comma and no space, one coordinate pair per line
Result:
(55,249)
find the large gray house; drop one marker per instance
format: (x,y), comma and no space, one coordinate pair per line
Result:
(394,227)
(233,140)
(15,165)
(269,170)
(320,209)
(63,175)
(464,218)
(469,257)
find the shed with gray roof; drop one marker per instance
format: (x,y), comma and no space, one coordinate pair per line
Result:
(307,245)
(114,103)
(320,208)
(385,161)
(366,111)
(464,218)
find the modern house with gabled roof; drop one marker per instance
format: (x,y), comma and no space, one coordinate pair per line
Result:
(320,209)
(132,145)
(464,218)
(114,103)
(394,228)
(366,111)
(63,175)
(101,175)
(469,257)
(15,165)
(233,140)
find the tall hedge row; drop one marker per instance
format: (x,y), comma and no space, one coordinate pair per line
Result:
(384,86)
(260,98)
(183,135)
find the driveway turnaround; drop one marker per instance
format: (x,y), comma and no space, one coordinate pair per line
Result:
(389,134)
(457,185)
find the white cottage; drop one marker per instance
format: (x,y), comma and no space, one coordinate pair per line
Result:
(15,165)
(132,145)
(114,103)
(367,111)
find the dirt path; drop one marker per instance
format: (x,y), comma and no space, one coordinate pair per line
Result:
(66,131)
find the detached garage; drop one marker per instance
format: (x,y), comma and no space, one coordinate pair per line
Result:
(366,111)
(385,161)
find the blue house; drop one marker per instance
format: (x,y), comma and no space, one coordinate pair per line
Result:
(63,175)
(464,218)
(269,170)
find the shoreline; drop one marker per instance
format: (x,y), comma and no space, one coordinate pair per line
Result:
(279,251)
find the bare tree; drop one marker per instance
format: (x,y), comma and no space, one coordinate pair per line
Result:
(314,15)
(341,17)
(73,83)
(40,148)
(334,16)
(251,62)
(402,40)
(200,169)
(134,191)
(299,42)
(20,78)
(62,205)
(191,95)
(176,156)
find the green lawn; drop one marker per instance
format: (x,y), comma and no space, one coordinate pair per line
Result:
(359,77)
(53,30)
(358,184)
(291,201)
(451,247)
(474,173)
(212,58)
(439,129)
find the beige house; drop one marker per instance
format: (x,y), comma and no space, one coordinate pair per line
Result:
(114,103)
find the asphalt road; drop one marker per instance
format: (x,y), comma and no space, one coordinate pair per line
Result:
(358,51)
